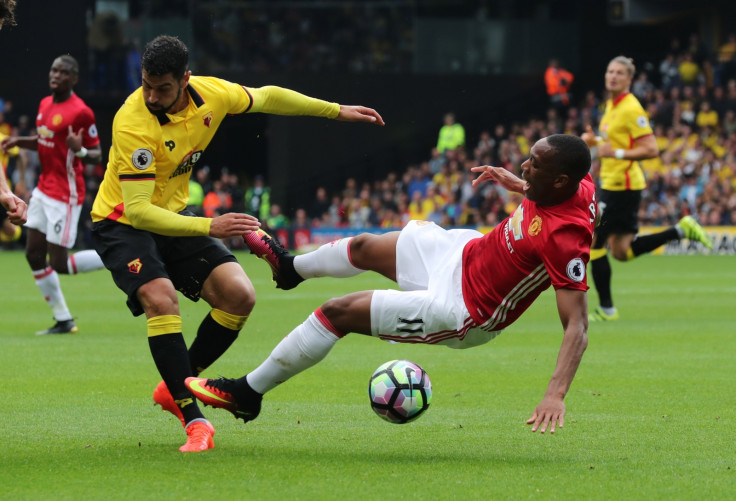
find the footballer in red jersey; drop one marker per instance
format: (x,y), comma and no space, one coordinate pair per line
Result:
(66,137)
(459,288)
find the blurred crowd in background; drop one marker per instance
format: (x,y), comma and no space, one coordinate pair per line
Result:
(690,96)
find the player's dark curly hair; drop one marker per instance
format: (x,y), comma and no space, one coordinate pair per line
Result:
(572,155)
(165,54)
(7,13)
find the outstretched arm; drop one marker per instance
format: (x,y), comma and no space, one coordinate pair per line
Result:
(499,175)
(359,114)
(573,309)
(281,101)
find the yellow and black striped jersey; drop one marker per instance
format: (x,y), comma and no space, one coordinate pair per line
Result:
(147,179)
(623,122)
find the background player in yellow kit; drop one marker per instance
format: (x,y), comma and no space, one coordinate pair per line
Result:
(625,139)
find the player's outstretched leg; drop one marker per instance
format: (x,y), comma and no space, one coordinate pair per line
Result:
(693,231)
(60,327)
(221,393)
(279,259)
(199,436)
(162,396)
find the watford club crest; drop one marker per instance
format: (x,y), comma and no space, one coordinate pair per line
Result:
(207,119)
(135,266)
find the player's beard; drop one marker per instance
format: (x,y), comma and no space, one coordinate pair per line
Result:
(161,112)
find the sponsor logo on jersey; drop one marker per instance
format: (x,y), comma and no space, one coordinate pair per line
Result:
(142,158)
(535,226)
(187,164)
(576,270)
(135,266)
(45,133)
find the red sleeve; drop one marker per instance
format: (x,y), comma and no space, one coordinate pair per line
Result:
(566,266)
(86,120)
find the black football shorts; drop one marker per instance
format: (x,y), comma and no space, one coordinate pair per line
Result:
(135,257)
(619,212)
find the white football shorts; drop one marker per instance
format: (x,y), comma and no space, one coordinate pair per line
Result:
(430,308)
(57,220)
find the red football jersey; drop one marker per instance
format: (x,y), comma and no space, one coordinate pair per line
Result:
(505,270)
(61,171)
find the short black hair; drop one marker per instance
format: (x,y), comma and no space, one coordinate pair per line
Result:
(572,155)
(7,12)
(165,54)
(71,62)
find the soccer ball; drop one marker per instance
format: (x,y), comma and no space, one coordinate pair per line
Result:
(400,391)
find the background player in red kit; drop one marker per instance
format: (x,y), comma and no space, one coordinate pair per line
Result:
(66,134)
(459,288)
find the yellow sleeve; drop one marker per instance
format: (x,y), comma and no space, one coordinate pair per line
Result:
(637,121)
(280,101)
(143,215)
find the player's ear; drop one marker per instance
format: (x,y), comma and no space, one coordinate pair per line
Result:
(561,181)
(185,78)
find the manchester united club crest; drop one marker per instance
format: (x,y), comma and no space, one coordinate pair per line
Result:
(535,226)
(207,119)
(135,266)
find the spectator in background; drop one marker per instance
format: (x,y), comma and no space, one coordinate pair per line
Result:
(706,117)
(196,196)
(726,67)
(436,160)
(319,205)
(452,134)
(558,81)
(276,219)
(218,201)
(258,199)
(109,53)
(642,86)
(689,70)
(231,184)
(301,219)
(669,72)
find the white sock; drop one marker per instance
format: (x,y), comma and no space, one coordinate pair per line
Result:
(330,260)
(301,349)
(47,281)
(83,261)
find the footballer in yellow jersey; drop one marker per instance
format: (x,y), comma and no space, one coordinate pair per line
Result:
(625,139)
(623,124)
(148,240)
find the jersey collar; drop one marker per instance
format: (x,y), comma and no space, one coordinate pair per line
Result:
(620,98)
(194,96)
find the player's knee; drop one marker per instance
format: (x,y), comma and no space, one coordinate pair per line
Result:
(59,264)
(238,297)
(158,300)
(336,308)
(620,254)
(360,247)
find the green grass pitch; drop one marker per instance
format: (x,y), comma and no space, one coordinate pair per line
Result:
(649,416)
